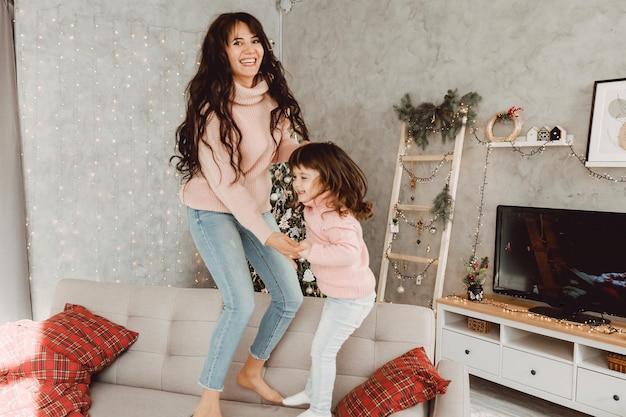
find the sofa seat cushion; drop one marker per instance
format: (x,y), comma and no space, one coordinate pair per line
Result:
(125,401)
(397,385)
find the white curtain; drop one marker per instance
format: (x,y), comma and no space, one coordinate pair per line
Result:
(14,281)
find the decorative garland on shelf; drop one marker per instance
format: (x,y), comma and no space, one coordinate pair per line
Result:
(423,180)
(542,147)
(592,327)
(402,277)
(446,118)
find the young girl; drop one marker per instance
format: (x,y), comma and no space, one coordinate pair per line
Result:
(332,187)
(238,120)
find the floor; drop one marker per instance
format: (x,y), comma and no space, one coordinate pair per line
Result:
(492,400)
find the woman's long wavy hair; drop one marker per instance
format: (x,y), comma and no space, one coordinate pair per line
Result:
(339,175)
(211,90)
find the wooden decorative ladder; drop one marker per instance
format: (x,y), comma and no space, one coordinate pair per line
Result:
(388,255)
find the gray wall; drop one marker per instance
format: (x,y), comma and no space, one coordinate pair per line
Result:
(101,92)
(351,61)
(100,87)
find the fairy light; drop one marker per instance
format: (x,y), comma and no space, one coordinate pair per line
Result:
(540,149)
(99,102)
(590,327)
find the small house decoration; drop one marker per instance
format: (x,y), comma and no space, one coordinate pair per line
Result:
(543,134)
(557,133)
(531,135)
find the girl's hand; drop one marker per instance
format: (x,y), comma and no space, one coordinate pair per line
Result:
(304,249)
(285,245)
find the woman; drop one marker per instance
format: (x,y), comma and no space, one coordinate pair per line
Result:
(240,115)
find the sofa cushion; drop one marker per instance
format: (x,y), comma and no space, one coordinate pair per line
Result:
(399,384)
(86,338)
(46,367)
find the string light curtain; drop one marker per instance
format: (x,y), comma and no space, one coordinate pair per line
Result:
(101,99)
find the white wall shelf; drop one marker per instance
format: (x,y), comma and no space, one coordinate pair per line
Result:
(522,142)
(562,363)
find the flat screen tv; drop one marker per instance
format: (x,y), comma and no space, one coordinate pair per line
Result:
(572,260)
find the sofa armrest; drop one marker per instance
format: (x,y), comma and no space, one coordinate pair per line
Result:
(456,401)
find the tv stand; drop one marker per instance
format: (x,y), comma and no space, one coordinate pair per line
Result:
(569,315)
(566,363)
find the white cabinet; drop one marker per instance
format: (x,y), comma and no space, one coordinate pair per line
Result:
(558,361)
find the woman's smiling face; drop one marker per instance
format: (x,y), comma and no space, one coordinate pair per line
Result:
(245,53)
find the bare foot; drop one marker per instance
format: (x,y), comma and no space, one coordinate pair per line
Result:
(258,385)
(209,405)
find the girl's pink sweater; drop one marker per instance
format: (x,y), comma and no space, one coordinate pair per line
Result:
(247,198)
(339,257)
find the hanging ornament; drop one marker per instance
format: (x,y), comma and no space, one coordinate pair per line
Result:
(433,230)
(400,289)
(309,290)
(420,229)
(394,227)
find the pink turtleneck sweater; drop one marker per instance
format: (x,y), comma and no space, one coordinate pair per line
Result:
(248,197)
(339,257)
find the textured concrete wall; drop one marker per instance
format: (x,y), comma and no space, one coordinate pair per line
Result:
(351,62)
(101,91)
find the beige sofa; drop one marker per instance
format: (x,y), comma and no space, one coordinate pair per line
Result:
(158,375)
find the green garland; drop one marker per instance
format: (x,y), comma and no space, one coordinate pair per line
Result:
(442,205)
(446,118)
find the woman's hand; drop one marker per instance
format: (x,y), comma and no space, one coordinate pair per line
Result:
(285,245)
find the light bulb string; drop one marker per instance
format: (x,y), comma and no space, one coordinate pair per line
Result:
(604,328)
(542,147)
(400,276)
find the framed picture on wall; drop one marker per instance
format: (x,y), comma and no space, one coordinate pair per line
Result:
(607,128)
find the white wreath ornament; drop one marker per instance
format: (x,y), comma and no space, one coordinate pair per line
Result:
(489,136)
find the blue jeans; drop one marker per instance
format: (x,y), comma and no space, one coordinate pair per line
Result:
(340,318)
(224,246)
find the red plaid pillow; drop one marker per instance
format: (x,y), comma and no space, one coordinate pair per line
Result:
(89,339)
(400,383)
(45,367)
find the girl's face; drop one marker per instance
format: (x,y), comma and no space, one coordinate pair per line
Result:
(245,53)
(306,183)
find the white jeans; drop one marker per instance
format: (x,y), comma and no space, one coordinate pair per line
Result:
(340,318)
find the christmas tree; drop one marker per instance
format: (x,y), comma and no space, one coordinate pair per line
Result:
(290,222)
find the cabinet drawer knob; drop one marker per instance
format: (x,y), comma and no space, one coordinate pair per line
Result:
(616,397)
(533,372)
(467,351)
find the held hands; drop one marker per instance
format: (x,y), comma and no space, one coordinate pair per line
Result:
(285,245)
(304,249)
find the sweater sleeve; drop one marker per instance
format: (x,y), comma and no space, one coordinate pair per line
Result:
(343,248)
(233,194)
(287,145)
